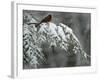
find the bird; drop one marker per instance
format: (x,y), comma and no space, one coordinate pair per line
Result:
(46,19)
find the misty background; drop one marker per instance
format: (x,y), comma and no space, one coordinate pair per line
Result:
(80,23)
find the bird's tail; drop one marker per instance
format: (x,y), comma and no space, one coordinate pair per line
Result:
(37,24)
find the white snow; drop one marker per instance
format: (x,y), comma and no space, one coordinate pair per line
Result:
(54,32)
(52,29)
(57,31)
(65,28)
(42,28)
(61,33)
(68,30)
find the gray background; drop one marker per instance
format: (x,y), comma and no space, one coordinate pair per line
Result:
(80,23)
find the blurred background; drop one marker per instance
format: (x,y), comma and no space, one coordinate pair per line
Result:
(80,23)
